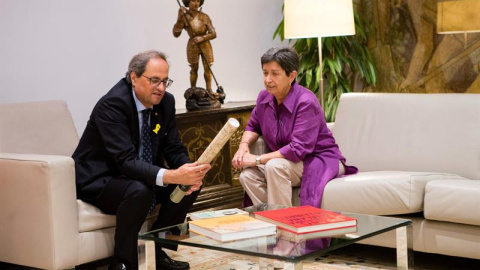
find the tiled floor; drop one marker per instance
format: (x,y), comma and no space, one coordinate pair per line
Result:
(352,257)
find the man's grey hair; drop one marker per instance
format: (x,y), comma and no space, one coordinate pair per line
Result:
(286,57)
(138,64)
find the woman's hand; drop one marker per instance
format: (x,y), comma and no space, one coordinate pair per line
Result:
(243,158)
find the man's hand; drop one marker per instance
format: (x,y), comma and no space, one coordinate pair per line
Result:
(190,174)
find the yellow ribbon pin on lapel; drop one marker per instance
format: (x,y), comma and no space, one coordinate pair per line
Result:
(157,128)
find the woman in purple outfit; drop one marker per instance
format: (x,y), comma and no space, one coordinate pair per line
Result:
(291,121)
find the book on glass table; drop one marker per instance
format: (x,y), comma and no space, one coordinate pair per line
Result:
(217,213)
(296,237)
(306,219)
(231,228)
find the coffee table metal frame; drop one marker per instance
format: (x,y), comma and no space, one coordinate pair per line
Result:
(262,247)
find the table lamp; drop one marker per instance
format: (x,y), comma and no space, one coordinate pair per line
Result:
(318,18)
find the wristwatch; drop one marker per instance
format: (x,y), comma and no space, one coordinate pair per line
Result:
(258,160)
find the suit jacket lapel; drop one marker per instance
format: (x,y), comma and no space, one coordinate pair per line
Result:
(135,128)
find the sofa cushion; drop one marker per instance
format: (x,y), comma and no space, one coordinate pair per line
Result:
(410,132)
(453,201)
(90,218)
(380,193)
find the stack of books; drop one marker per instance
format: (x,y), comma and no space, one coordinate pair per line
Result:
(217,213)
(232,227)
(307,222)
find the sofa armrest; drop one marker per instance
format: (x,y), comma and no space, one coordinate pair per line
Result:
(38,210)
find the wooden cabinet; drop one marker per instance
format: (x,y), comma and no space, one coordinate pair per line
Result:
(197,129)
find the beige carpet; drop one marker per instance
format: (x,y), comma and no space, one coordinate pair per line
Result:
(201,259)
(353,257)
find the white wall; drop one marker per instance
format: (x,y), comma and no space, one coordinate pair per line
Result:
(76,50)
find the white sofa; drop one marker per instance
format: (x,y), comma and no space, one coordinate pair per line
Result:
(419,157)
(42,224)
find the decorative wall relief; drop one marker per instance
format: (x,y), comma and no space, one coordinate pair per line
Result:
(221,188)
(411,57)
(197,139)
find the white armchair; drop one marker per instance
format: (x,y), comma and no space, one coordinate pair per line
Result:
(42,224)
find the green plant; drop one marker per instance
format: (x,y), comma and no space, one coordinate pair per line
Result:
(345,59)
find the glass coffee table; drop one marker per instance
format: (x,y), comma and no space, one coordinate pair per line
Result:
(272,249)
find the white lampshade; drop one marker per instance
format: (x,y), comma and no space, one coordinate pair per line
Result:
(458,17)
(318,18)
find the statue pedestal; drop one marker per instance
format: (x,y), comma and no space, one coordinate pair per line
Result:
(201,99)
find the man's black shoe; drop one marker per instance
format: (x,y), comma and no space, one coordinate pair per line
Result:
(117,266)
(120,264)
(166,263)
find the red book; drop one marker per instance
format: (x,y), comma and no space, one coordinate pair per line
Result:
(305,219)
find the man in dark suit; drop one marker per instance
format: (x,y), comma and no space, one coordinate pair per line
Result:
(119,160)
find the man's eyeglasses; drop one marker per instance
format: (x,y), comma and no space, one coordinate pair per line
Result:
(156,81)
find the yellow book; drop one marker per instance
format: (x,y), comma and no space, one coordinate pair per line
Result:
(230,228)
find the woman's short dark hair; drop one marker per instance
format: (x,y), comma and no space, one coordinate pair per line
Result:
(187,2)
(138,64)
(286,57)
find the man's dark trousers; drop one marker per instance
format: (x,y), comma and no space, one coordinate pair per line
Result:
(130,200)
